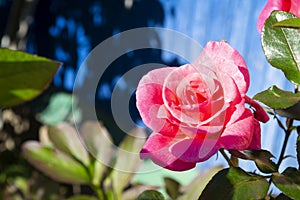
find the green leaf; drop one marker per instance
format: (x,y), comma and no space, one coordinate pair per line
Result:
(234,183)
(58,110)
(197,185)
(288,23)
(291,112)
(277,98)
(65,138)
(262,159)
(151,194)
(135,191)
(82,197)
(172,187)
(55,164)
(281,46)
(100,145)
(128,159)
(288,182)
(23,76)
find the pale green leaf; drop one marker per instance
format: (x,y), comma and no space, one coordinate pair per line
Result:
(65,138)
(55,164)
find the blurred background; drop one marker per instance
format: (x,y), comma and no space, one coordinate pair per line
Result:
(68,30)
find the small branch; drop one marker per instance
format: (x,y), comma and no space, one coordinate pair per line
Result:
(288,130)
(281,157)
(226,158)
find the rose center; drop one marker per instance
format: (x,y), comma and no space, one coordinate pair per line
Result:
(194,94)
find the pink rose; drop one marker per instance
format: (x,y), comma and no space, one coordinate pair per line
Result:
(196,109)
(292,6)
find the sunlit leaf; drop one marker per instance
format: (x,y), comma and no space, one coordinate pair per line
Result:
(288,23)
(65,138)
(99,143)
(234,183)
(151,194)
(23,76)
(281,46)
(128,159)
(55,164)
(288,182)
(197,185)
(277,98)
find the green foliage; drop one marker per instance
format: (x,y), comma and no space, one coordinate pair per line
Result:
(135,190)
(82,197)
(262,159)
(63,156)
(288,182)
(59,109)
(288,23)
(277,98)
(197,185)
(65,138)
(291,112)
(151,194)
(99,143)
(234,183)
(127,160)
(281,46)
(56,164)
(23,76)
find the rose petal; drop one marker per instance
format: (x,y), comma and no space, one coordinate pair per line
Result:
(197,149)
(295,7)
(255,143)
(157,148)
(271,5)
(196,104)
(231,90)
(240,135)
(149,101)
(180,100)
(222,58)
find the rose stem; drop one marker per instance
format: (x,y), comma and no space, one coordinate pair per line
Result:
(226,158)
